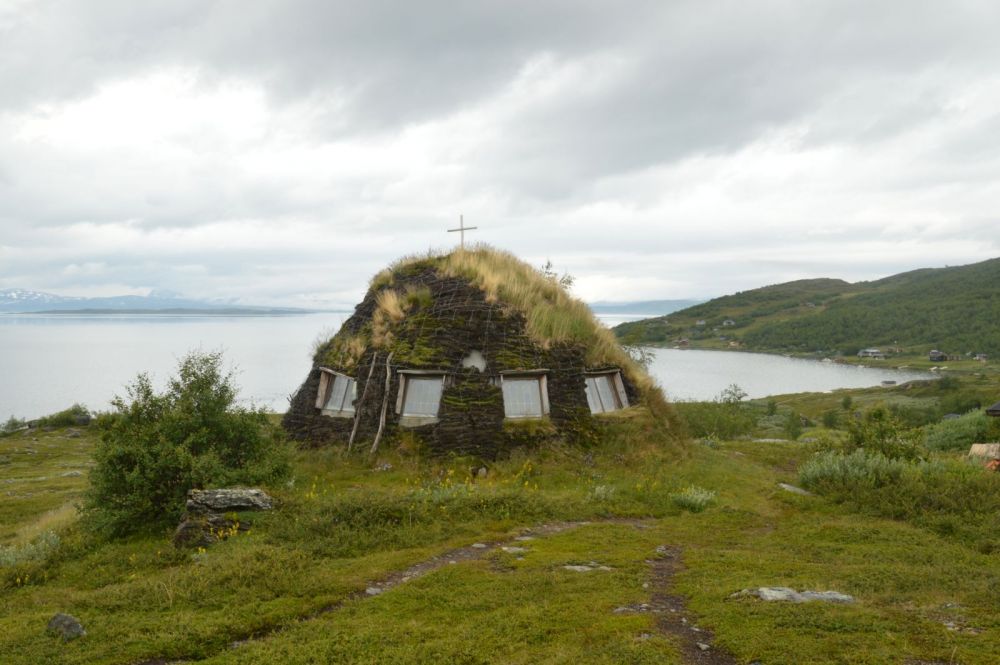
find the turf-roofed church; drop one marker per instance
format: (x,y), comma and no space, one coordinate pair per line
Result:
(471,352)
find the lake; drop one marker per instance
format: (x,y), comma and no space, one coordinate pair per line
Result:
(48,362)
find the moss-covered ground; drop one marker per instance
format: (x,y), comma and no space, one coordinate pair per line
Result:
(291,590)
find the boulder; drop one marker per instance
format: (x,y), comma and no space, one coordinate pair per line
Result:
(65,626)
(202,530)
(227,500)
(205,521)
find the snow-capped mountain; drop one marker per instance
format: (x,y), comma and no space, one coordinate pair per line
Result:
(24,300)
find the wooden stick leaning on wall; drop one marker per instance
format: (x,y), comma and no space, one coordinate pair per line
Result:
(357,408)
(385,404)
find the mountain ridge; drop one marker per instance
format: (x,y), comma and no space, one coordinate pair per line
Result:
(955,309)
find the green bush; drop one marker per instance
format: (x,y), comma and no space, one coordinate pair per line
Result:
(65,418)
(880,432)
(156,446)
(954,498)
(793,425)
(12,425)
(716,420)
(960,433)
(831,418)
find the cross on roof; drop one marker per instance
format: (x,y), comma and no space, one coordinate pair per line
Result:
(462,228)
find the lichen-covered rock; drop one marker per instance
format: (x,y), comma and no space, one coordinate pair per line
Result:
(786,594)
(206,522)
(204,529)
(65,626)
(227,500)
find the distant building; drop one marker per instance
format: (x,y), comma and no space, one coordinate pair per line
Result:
(994,410)
(871,353)
(936,356)
(981,357)
(700,322)
(728,323)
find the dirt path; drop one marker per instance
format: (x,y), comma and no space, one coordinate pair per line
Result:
(695,643)
(671,613)
(392,580)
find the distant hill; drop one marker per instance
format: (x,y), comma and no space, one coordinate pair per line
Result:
(954,309)
(23,301)
(653,307)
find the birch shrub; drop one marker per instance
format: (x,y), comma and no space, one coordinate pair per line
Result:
(156,446)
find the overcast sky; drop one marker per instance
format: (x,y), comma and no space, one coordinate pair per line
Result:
(283,151)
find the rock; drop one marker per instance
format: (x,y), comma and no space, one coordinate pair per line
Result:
(794,490)
(202,530)
(514,550)
(480,546)
(83,420)
(785,594)
(482,472)
(72,434)
(71,474)
(373,591)
(578,569)
(703,646)
(65,626)
(227,500)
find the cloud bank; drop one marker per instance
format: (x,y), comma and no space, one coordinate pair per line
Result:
(281,152)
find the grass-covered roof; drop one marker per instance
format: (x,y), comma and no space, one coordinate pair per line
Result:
(552,316)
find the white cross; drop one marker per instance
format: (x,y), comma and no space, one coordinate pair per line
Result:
(462,228)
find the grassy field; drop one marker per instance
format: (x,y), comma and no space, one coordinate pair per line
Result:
(293,588)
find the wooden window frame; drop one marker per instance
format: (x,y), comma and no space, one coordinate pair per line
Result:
(541,377)
(618,385)
(327,378)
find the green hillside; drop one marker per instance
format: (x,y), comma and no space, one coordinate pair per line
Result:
(955,309)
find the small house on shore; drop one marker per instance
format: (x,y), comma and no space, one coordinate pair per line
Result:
(471,352)
(936,356)
(994,410)
(871,353)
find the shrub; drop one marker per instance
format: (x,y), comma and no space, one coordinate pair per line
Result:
(66,417)
(12,425)
(880,432)
(953,498)
(831,419)
(693,498)
(155,447)
(959,433)
(36,550)
(793,425)
(716,420)
(834,473)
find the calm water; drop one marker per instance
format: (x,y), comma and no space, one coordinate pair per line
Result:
(49,362)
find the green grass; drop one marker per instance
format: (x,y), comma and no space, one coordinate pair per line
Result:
(342,525)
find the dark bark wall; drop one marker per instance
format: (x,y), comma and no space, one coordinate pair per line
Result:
(437,334)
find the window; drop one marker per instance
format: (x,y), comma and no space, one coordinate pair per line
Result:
(419,397)
(336,394)
(525,395)
(606,392)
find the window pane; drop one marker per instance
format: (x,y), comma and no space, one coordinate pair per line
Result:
(593,399)
(350,393)
(607,392)
(423,395)
(336,397)
(522,398)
